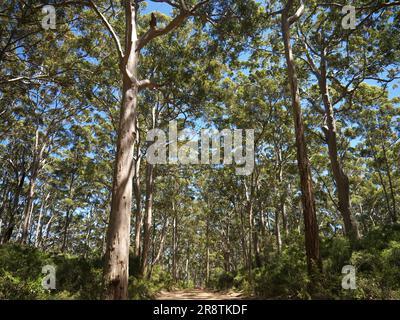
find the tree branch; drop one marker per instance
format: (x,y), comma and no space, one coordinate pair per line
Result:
(297,15)
(147,84)
(110,29)
(25,78)
(154,32)
(175,22)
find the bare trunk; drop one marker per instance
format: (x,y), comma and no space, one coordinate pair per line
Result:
(148,207)
(207,265)
(207,253)
(253,240)
(161,247)
(340,177)
(65,232)
(187,271)
(28,210)
(283,203)
(278,232)
(227,248)
(117,243)
(243,240)
(137,193)
(174,248)
(13,208)
(308,201)
(385,193)
(37,158)
(392,192)
(38,233)
(148,218)
(187,274)
(256,245)
(46,231)
(118,234)
(263,224)
(251,230)
(3,200)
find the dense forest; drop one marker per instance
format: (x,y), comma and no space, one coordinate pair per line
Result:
(108,192)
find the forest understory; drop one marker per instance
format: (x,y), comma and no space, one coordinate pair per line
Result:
(281,276)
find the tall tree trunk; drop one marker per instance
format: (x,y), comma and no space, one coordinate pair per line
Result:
(340,177)
(65,232)
(253,240)
(227,254)
(283,200)
(392,192)
(385,193)
(28,209)
(251,230)
(257,249)
(13,208)
(137,193)
(207,252)
(38,233)
(278,232)
(243,238)
(308,201)
(46,231)
(117,247)
(284,214)
(174,247)
(36,164)
(138,216)
(4,199)
(187,274)
(148,218)
(162,242)
(148,205)
(69,212)
(118,234)
(88,233)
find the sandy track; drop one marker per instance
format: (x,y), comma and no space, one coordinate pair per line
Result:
(198,294)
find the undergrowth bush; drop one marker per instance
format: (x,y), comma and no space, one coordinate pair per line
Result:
(146,289)
(376,258)
(21,275)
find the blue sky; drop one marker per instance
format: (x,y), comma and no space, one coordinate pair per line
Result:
(161,7)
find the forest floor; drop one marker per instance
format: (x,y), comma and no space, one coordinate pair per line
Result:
(199,294)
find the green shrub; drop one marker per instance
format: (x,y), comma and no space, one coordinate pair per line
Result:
(141,289)
(145,289)
(15,288)
(21,275)
(391,266)
(335,253)
(24,262)
(81,277)
(225,281)
(284,277)
(377,273)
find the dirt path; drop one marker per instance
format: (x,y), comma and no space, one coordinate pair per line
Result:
(198,294)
